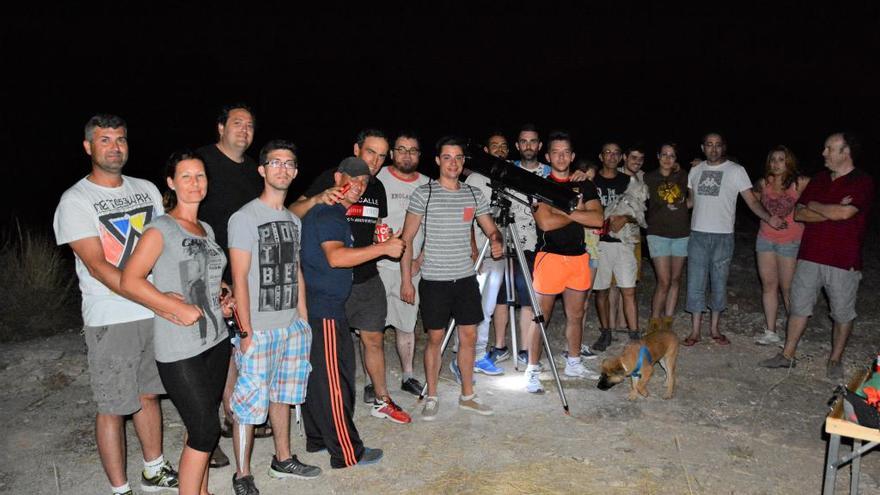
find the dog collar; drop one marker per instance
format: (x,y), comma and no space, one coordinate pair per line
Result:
(644,354)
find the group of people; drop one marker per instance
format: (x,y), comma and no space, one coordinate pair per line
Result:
(368,247)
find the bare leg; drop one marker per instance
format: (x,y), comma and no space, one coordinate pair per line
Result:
(663,272)
(786,275)
(716,320)
(279,414)
(110,436)
(793,333)
(499,323)
(374,360)
(630,309)
(696,323)
(614,307)
(231,377)
(242,444)
(148,426)
(546,301)
(467,335)
(193,471)
(678,263)
(406,344)
(769,273)
(432,359)
(527,327)
(573,301)
(603,308)
(839,335)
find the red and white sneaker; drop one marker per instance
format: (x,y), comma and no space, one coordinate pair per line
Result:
(388,409)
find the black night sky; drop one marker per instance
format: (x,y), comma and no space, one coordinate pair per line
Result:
(629,72)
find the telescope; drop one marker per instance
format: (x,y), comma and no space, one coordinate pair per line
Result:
(503,174)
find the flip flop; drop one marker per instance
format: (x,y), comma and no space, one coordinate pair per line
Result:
(690,341)
(721,339)
(263,431)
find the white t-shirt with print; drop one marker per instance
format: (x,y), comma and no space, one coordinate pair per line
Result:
(117,216)
(715,189)
(397,192)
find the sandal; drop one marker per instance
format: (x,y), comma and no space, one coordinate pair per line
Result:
(690,341)
(218,458)
(263,431)
(721,339)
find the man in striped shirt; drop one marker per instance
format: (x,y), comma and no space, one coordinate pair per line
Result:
(447,209)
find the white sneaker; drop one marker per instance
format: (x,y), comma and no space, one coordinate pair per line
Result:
(578,370)
(533,382)
(768,338)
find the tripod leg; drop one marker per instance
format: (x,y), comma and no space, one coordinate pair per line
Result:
(451,325)
(509,286)
(539,316)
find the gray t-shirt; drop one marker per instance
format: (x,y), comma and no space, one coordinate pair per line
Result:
(446,220)
(272,237)
(191,266)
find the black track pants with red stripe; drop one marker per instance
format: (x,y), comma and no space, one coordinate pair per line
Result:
(330,399)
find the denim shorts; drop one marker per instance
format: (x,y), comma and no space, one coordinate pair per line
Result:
(667,246)
(785,249)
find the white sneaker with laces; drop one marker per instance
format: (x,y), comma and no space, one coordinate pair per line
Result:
(768,338)
(578,370)
(533,382)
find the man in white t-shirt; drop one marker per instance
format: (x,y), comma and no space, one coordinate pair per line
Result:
(400,179)
(713,186)
(102,217)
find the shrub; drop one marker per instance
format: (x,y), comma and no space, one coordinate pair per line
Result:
(37,281)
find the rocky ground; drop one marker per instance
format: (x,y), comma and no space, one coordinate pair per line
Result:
(731,428)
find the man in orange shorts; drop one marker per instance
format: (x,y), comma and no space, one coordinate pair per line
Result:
(562,265)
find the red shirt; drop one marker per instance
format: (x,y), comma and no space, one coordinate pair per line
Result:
(837,243)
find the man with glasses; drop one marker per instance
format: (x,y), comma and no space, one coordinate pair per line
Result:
(272,354)
(713,187)
(366,307)
(234,182)
(400,179)
(616,259)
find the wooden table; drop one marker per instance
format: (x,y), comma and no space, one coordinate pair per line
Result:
(837,426)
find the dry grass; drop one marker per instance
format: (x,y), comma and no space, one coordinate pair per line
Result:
(37,283)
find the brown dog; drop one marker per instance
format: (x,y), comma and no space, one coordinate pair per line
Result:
(637,362)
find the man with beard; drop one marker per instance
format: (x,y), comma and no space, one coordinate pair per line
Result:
(400,180)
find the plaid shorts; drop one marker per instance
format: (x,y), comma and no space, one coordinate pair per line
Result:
(274,369)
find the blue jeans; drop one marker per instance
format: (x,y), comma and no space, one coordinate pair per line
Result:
(709,258)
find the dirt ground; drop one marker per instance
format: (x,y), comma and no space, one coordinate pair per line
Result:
(731,428)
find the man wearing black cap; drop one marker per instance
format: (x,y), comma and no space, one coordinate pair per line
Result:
(328,255)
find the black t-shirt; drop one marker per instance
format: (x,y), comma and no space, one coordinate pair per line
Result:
(668,214)
(567,240)
(609,190)
(361,217)
(231,185)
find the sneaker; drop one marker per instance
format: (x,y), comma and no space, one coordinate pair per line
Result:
(165,480)
(292,468)
(429,412)
(371,456)
(369,393)
(499,354)
(634,335)
(586,353)
(768,338)
(523,359)
(578,370)
(474,405)
(388,409)
(778,361)
(453,367)
(834,371)
(533,382)
(487,367)
(244,485)
(412,386)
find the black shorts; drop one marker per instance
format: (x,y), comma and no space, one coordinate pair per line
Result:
(521,290)
(441,300)
(366,306)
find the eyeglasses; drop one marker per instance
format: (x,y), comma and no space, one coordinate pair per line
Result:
(407,151)
(276,163)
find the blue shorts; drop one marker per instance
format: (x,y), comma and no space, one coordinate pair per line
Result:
(786,249)
(668,246)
